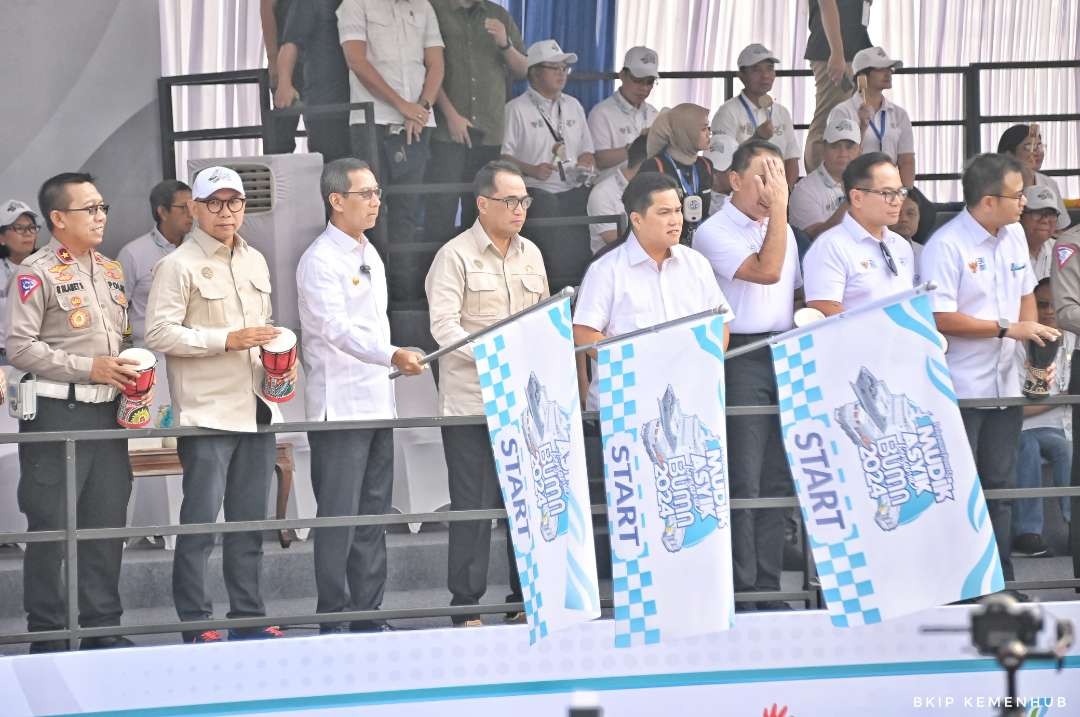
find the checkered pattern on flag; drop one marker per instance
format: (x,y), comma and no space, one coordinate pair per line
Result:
(886,481)
(665,472)
(529,386)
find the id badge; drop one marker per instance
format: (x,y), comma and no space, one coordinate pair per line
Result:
(692,208)
(866,13)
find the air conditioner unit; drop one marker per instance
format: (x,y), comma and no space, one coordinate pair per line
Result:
(284,214)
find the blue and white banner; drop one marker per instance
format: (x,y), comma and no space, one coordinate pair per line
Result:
(530,394)
(884,473)
(661,401)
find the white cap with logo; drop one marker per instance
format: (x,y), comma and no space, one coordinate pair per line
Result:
(1039,198)
(212,179)
(873,58)
(841,129)
(549,51)
(642,62)
(12,209)
(755,53)
(721,151)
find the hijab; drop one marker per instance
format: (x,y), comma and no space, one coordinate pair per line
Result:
(676,130)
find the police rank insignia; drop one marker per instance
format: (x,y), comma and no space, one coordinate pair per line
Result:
(207,272)
(79,319)
(63,273)
(64,255)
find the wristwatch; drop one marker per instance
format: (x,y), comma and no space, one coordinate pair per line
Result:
(504,48)
(425,104)
(1003,327)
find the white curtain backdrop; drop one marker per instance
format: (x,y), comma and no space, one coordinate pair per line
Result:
(922,33)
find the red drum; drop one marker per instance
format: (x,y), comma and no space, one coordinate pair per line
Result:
(135,399)
(278,358)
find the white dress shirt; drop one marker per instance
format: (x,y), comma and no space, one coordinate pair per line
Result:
(726,239)
(814,199)
(846,264)
(396,32)
(895,127)
(605,198)
(345,332)
(624,291)
(138,257)
(528,138)
(7,271)
(740,118)
(982,276)
(615,123)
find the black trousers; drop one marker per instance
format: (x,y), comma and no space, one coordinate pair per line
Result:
(566,249)
(352,473)
(1074,531)
(994,435)
(757,464)
(474,485)
(102,489)
(453,162)
(404,209)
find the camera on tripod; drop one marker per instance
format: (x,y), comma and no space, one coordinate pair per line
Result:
(1003,621)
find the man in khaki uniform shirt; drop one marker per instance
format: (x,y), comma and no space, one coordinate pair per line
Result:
(67,314)
(208,311)
(484,274)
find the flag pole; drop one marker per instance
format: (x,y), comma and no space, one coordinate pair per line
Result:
(652,329)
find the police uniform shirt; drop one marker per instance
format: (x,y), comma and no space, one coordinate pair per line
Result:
(528,138)
(726,239)
(624,290)
(201,292)
(814,199)
(615,124)
(138,258)
(341,292)
(605,199)
(845,264)
(982,276)
(891,122)
(740,118)
(63,312)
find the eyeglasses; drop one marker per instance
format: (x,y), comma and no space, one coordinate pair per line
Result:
(215,206)
(365,194)
(565,69)
(24,229)
(1042,215)
(889,262)
(889,195)
(1018,197)
(512,203)
(90,211)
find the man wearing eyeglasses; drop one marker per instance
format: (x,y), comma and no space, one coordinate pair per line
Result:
(347,354)
(621,118)
(1040,221)
(18,234)
(67,313)
(984,303)
(209,312)
(481,276)
(860,260)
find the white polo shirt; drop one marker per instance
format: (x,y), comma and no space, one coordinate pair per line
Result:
(139,257)
(846,264)
(740,118)
(726,239)
(624,291)
(528,139)
(1045,260)
(982,276)
(891,121)
(396,32)
(814,199)
(615,123)
(605,198)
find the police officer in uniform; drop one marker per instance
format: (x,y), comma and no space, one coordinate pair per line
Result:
(67,316)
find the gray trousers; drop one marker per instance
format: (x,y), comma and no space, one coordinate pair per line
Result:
(758,467)
(236,469)
(102,489)
(352,473)
(994,435)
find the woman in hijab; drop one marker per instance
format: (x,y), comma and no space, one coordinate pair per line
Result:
(676,139)
(1024,142)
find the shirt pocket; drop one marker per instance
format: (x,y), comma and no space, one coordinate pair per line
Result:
(482,294)
(210,309)
(532,289)
(382,34)
(258,308)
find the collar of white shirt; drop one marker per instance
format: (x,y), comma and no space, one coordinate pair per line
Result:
(623,104)
(858,232)
(160,239)
(548,105)
(483,241)
(343,241)
(635,253)
(826,178)
(976,232)
(740,219)
(211,246)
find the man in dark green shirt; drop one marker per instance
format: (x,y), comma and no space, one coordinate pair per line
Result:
(483,50)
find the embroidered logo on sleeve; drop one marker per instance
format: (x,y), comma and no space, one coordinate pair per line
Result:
(28,284)
(1064,252)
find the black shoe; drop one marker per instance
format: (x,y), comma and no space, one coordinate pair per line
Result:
(333,628)
(371,626)
(1017,595)
(770,605)
(516,616)
(38,648)
(1030,545)
(105,643)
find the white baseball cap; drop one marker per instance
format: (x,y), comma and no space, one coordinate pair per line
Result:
(549,51)
(721,151)
(841,129)
(12,209)
(1039,198)
(642,62)
(753,54)
(873,58)
(212,179)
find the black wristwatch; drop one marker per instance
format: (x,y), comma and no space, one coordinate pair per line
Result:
(1003,327)
(425,104)
(507,46)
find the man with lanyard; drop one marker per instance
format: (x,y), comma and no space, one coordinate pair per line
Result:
(68,312)
(753,114)
(818,201)
(621,118)
(885,126)
(18,233)
(754,256)
(861,260)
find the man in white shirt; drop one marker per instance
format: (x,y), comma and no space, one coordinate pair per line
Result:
(618,120)
(1039,220)
(395,56)
(721,150)
(170,204)
(347,355)
(984,304)
(861,260)
(885,126)
(606,198)
(754,256)
(817,202)
(753,114)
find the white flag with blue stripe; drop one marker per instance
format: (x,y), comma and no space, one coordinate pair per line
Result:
(661,401)
(883,470)
(529,387)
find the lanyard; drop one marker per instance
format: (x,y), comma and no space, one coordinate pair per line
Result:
(879,133)
(557,136)
(750,112)
(695,185)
